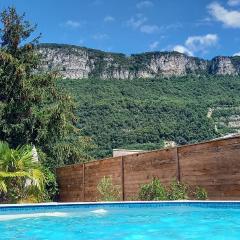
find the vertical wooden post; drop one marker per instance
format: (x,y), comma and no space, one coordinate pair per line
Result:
(178,167)
(83,183)
(122,175)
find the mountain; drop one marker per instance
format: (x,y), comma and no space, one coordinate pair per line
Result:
(150,113)
(76,62)
(174,98)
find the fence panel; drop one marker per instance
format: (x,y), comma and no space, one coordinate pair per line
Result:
(70,180)
(213,165)
(95,171)
(141,168)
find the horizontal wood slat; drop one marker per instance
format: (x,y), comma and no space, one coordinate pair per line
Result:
(214,165)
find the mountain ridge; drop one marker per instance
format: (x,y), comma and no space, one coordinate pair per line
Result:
(77,62)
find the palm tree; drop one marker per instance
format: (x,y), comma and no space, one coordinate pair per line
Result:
(21,177)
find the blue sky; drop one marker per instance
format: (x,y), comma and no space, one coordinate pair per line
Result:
(202,28)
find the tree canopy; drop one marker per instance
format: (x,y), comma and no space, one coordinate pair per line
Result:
(142,113)
(32,110)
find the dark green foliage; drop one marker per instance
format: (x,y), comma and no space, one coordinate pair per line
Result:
(156,191)
(153,191)
(177,191)
(51,187)
(201,193)
(124,113)
(32,110)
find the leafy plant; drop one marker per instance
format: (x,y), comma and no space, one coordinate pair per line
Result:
(201,193)
(156,191)
(107,190)
(153,191)
(51,186)
(177,191)
(21,176)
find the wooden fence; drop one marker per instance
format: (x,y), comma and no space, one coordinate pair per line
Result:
(214,165)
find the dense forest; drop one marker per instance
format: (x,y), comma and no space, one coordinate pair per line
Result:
(143,113)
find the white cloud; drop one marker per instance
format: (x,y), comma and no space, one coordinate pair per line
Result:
(136,22)
(236,54)
(144,4)
(230,18)
(154,45)
(195,44)
(182,49)
(139,22)
(109,19)
(100,36)
(149,28)
(171,26)
(72,24)
(233,2)
(200,43)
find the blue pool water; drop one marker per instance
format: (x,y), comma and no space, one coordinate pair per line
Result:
(122,221)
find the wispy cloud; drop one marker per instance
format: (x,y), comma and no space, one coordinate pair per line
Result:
(136,22)
(230,18)
(149,28)
(207,21)
(109,19)
(233,2)
(144,4)
(195,44)
(139,22)
(72,24)
(236,54)
(100,36)
(171,26)
(154,45)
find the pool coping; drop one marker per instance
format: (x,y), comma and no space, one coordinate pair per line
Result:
(54,204)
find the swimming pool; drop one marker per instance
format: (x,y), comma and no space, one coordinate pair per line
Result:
(125,221)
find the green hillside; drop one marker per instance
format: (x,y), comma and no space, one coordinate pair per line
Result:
(142,113)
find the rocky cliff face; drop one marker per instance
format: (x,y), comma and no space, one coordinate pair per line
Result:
(223,66)
(77,62)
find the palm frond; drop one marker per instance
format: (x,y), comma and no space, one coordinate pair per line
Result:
(17,166)
(3,186)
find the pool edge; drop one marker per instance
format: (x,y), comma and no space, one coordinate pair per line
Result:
(54,204)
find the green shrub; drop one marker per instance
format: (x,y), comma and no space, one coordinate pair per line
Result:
(108,191)
(177,191)
(51,186)
(156,191)
(153,191)
(200,193)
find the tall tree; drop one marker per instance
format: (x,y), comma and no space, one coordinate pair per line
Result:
(32,109)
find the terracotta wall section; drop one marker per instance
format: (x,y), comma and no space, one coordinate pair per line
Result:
(214,166)
(141,168)
(95,171)
(70,181)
